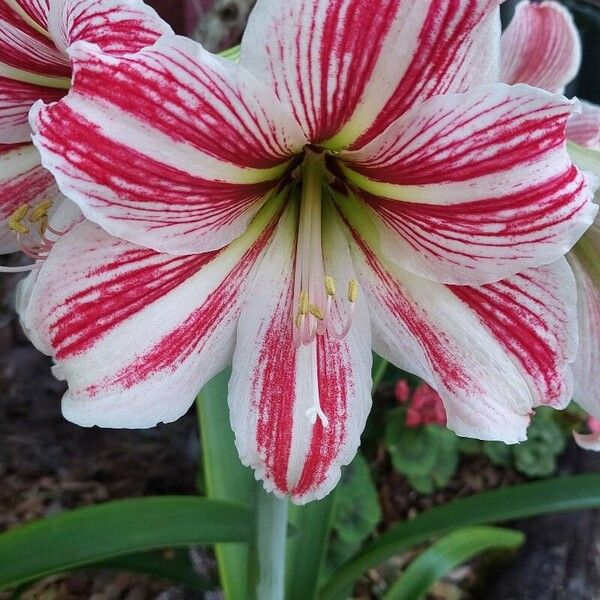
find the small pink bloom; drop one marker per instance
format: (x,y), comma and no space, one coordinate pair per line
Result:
(426,408)
(402,391)
(593,424)
(589,441)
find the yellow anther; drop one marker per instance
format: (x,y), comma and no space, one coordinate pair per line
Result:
(39,215)
(316,312)
(40,211)
(303,310)
(353,290)
(15,222)
(304,303)
(330,286)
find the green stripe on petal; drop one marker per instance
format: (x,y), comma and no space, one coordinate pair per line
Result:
(406,193)
(34,78)
(23,14)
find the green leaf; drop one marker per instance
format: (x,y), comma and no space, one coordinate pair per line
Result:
(446,555)
(563,494)
(499,453)
(306,548)
(356,514)
(413,450)
(173,566)
(428,456)
(537,456)
(97,533)
(468,446)
(380,366)
(357,509)
(225,478)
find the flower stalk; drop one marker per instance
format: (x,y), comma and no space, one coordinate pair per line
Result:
(267,562)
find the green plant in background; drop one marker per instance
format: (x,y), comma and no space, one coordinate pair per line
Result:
(356,514)
(536,457)
(427,455)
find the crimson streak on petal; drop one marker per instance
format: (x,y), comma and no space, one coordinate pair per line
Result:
(521,318)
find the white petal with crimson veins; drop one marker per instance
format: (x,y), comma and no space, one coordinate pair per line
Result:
(277,386)
(541,46)
(136,333)
(115,26)
(472,188)
(493,352)
(172,148)
(16,98)
(23,48)
(340,82)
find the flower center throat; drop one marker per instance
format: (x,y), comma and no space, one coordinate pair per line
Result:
(315,289)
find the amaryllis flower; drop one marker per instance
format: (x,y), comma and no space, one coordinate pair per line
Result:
(542,47)
(35,38)
(334,192)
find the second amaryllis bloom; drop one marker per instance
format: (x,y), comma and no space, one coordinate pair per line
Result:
(542,47)
(333,193)
(35,38)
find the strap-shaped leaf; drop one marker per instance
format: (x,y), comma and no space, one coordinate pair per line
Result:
(172,565)
(225,478)
(556,495)
(446,555)
(94,534)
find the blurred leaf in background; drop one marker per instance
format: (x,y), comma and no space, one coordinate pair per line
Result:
(356,514)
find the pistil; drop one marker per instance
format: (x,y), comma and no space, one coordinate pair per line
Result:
(314,289)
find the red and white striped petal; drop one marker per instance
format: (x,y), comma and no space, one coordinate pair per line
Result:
(173,148)
(116,26)
(584,128)
(541,46)
(492,352)
(349,68)
(27,55)
(136,333)
(472,188)
(35,12)
(16,99)
(22,181)
(276,387)
(585,262)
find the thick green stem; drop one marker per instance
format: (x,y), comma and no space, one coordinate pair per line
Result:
(267,581)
